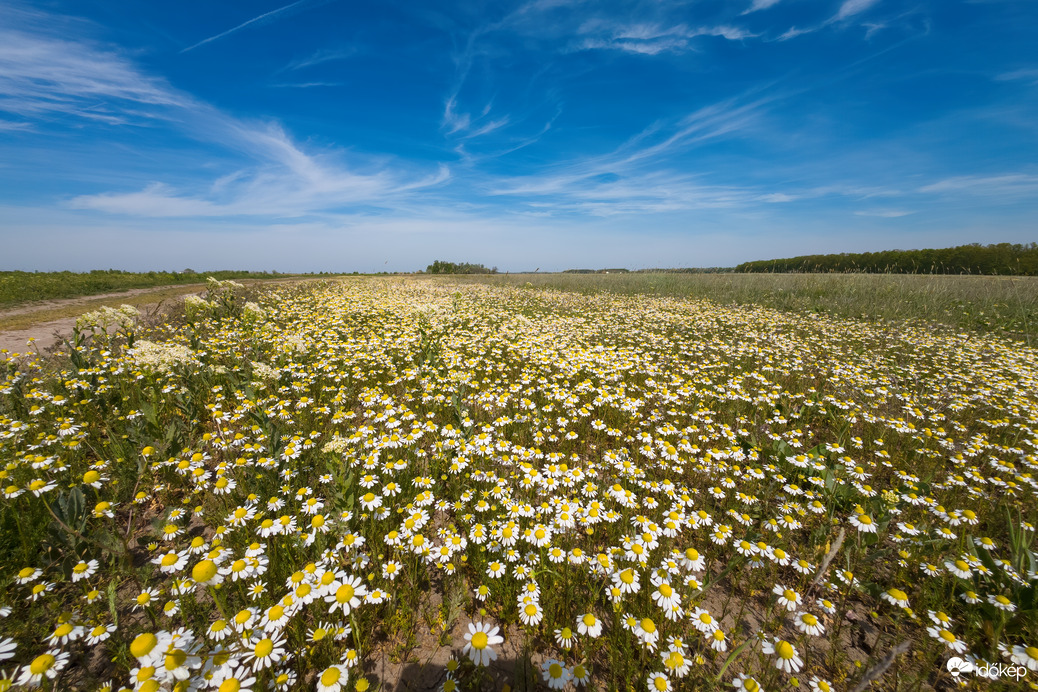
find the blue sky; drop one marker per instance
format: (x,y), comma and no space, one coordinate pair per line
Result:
(322,135)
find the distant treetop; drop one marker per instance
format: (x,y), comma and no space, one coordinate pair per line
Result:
(442,267)
(998,259)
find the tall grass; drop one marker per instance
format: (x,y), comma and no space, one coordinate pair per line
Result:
(1004,305)
(21,287)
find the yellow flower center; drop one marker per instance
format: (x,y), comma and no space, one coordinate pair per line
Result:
(809,619)
(62,630)
(330,676)
(229,685)
(91,476)
(789,595)
(344,593)
(263,648)
(665,590)
(479,640)
(555,671)
(648,626)
(175,659)
(275,613)
(41,664)
(627,576)
(784,650)
(143,644)
(204,571)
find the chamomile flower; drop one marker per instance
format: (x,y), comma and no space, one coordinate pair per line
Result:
(809,624)
(479,643)
(589,625)
(333,679)
(786,657)
(555,673)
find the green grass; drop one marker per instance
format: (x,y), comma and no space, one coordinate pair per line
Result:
(1007,306)
(21,287)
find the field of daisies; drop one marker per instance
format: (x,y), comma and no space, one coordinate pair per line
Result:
(505,487)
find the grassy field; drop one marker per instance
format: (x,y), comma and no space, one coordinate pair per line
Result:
(1007,306)
(360,484)
(17,287)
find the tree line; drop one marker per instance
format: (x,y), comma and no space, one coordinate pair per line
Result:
(442,267)
(996,259)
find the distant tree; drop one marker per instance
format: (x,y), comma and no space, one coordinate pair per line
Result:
(444,267)
(998,259)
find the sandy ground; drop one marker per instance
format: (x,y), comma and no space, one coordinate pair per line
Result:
(46,332)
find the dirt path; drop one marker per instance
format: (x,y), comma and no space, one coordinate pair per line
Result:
(44,320)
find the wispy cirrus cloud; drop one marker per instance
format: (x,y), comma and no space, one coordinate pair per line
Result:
(651,39)
(1010,185)
(261,20)
(320,57)
(759,5)
(850,8)
(1027,74)
(43,77)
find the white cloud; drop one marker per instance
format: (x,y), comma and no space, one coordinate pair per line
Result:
(265,18)
(853,7)
(41,76)
(759,5)
(1025,75)
(1012,185)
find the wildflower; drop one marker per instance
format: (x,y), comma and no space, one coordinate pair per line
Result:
(171,562)
(787,598)
(676,663)
(564,637)
(658,682)
(46,665)
(479,641)
(266,652)
(947,638)
(206,573)
(1002,603)
(746,683)
(589,625)
(717,640)
(820,685)
(1025,656)
(896,597)
(703,621)
(7,647)
(555,674)
(647,632)
(531,614)
(581,675)
(809,624)
(627,580)
(332,679)
(786,658)
(99,634)
(346,595)
(65,633)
